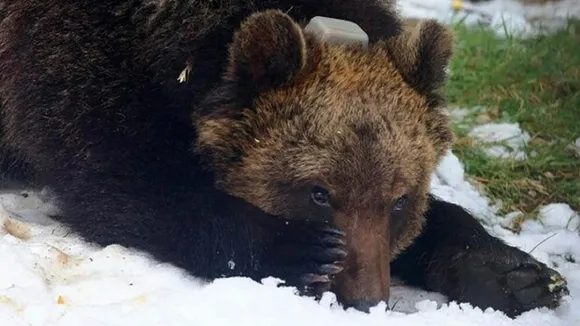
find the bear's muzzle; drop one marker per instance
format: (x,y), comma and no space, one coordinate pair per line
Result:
(365,281)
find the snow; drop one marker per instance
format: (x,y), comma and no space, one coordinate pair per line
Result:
(508,139)
(55,278)
(502,15)
(576,146)
(559,216)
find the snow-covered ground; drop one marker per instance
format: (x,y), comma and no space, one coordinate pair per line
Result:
(48,277)
(511,15)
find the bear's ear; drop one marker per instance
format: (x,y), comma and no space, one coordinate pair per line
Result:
(421,53)
(268,51)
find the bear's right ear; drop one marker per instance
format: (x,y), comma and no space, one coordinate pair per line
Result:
(421,53)
(268,51)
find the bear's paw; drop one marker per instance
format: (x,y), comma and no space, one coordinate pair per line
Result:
(509,280)
(306,256)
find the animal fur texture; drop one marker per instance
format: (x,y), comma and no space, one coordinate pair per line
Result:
(98,99)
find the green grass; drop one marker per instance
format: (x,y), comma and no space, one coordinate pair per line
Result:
(535,82)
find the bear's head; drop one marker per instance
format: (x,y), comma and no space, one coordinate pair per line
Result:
(310,130)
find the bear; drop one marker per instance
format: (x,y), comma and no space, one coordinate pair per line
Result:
(119,108)
(359,133)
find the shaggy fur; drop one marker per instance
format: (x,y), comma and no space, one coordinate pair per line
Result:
(293,114)
(343,119)
(97,99)
(92,102)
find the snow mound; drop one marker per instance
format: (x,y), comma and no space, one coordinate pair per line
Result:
(511,16)
(559,216)
(55,278)
(508,138)
(576,146)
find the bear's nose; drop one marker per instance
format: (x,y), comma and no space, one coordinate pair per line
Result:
(362,305)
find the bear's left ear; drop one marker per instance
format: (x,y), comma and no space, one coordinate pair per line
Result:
(421,53)
(268,51)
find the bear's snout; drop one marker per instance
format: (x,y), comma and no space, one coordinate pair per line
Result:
(365,281)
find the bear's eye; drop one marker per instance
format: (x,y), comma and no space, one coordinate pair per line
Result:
(400,204)
(320,196)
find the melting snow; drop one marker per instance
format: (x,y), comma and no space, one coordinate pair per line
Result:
(508,137)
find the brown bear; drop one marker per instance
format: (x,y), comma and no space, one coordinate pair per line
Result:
(323,149)
(352,136)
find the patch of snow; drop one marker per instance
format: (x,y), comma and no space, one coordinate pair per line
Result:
(458,114)
(508,220)
(56,279)
(559,216)
(576,147)
(512,16)
(448,183)
(511,137)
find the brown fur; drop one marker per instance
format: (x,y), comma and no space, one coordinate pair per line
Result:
(365,124)
(92,103)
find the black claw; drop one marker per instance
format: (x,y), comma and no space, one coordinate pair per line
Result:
(339,263)
(338,253)
(334,241)
(333,231)
(314,278)
(327,256)
(330,269)
(306,256)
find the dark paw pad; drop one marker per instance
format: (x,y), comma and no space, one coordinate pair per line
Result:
(535,285)
(511,281)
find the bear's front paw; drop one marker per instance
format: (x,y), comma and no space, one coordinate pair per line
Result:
(508,279)
(306,256)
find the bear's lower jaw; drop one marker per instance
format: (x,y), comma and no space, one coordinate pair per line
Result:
(362,305)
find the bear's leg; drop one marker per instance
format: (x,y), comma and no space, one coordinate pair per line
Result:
(456,256)
(120,163)
(200,229)
(15,174)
